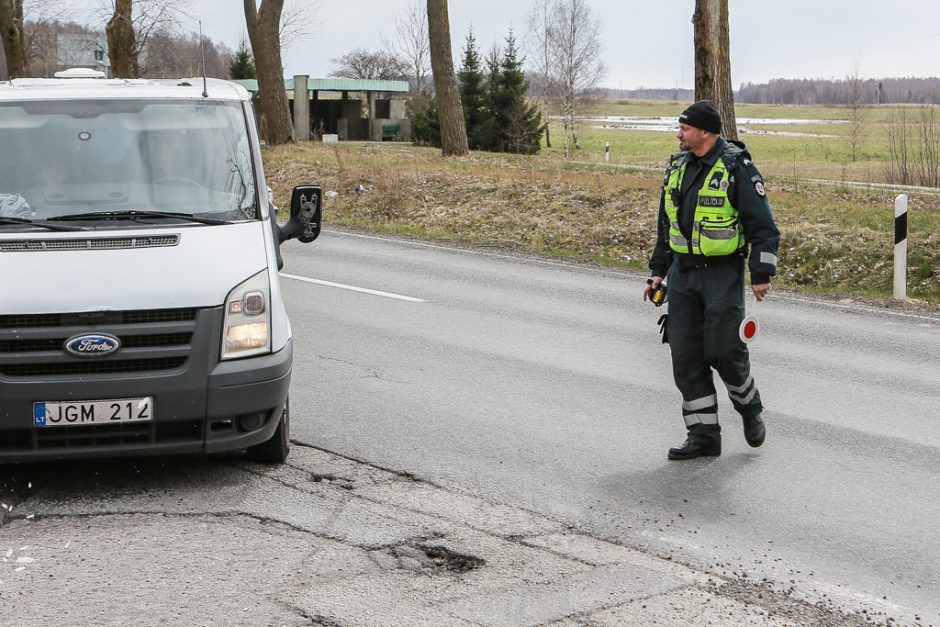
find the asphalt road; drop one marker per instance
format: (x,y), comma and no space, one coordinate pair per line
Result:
(543,385)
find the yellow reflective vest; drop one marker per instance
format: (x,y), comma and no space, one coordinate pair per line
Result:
(716,228)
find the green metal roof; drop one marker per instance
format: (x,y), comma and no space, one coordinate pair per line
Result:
(336,84)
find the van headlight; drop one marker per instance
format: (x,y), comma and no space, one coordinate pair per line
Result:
(246,329)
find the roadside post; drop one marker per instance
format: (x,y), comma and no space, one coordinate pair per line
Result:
(607,152)
(900,247)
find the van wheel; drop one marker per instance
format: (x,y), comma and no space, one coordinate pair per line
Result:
(275,450)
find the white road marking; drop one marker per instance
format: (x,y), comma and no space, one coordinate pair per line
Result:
(353,288)
(626,272)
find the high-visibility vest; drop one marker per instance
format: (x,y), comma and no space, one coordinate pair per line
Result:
(716,229)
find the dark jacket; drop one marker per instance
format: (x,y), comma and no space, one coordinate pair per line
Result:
(746,194)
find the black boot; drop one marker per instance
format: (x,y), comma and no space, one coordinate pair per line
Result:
(754,431)
(698,445)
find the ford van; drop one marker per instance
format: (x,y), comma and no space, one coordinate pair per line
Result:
(140,306)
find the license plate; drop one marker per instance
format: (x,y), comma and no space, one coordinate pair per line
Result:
(76,413)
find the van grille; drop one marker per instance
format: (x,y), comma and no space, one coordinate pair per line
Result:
(33,346)
(91,243)
(111,317)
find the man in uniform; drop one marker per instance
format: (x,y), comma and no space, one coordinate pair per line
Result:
(713,208)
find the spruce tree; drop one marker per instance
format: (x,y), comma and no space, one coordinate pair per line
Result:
(471,81)
(520,121)
(488,132)
(242,65)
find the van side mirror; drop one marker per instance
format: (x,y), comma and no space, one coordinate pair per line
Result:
(306,214)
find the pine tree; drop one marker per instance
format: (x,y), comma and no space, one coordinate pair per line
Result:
(242,65)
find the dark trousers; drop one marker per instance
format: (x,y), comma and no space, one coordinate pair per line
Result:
(706,307)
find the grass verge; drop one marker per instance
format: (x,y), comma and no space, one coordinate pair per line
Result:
(836,239)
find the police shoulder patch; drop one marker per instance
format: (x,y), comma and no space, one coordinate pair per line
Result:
(759,187)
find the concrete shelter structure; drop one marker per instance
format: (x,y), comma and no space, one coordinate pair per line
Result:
(352,109)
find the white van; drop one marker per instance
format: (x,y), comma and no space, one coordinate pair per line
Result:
(140,308)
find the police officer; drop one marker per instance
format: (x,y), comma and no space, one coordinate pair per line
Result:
(712,210)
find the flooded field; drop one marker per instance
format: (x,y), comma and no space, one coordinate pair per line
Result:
(746,126)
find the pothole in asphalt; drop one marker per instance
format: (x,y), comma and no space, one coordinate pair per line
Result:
(452,561)
(340,482)
(426,558)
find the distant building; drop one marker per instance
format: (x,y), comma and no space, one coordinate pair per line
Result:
(352,109)
(88,51)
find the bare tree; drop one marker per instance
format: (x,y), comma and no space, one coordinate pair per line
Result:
(856,112)
(41,25)
(900,127)
(577,68)
(14,39)
(132,23)
(541,58)
(296,21)
(172,56)
(265,36)
(713,61)
(364,64)
(450,111)
(412,44)
(928,149)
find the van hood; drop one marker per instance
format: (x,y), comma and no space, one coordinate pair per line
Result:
(180,266)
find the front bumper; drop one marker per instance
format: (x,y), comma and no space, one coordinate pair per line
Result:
(201,408)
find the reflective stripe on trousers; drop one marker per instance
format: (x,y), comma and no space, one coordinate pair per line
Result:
(706,306)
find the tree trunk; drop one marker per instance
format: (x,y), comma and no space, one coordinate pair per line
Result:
(713,61)
(450,111)
(264,35)
(122,47)
(14,40)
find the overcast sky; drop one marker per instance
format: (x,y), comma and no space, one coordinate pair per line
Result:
(648,43)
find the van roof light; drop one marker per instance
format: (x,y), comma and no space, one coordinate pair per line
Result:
(79,72)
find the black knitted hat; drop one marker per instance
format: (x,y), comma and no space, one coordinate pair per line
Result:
(703,115)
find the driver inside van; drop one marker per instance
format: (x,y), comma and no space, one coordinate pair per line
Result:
(163,152)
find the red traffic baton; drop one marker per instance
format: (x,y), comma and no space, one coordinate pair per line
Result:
(749,328)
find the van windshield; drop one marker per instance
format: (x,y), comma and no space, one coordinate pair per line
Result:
(67,157)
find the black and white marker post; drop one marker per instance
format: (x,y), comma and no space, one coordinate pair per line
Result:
(900,247)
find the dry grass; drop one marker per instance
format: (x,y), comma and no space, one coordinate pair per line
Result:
(835,239)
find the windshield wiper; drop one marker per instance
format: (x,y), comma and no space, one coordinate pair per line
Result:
(40,223)
(135,214)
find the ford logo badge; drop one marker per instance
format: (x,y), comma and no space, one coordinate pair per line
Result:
(92,345)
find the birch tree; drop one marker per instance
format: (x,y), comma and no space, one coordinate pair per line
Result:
(540,58)
(713,61)
(569,36)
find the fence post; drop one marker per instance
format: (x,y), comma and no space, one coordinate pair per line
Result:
(900,247)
